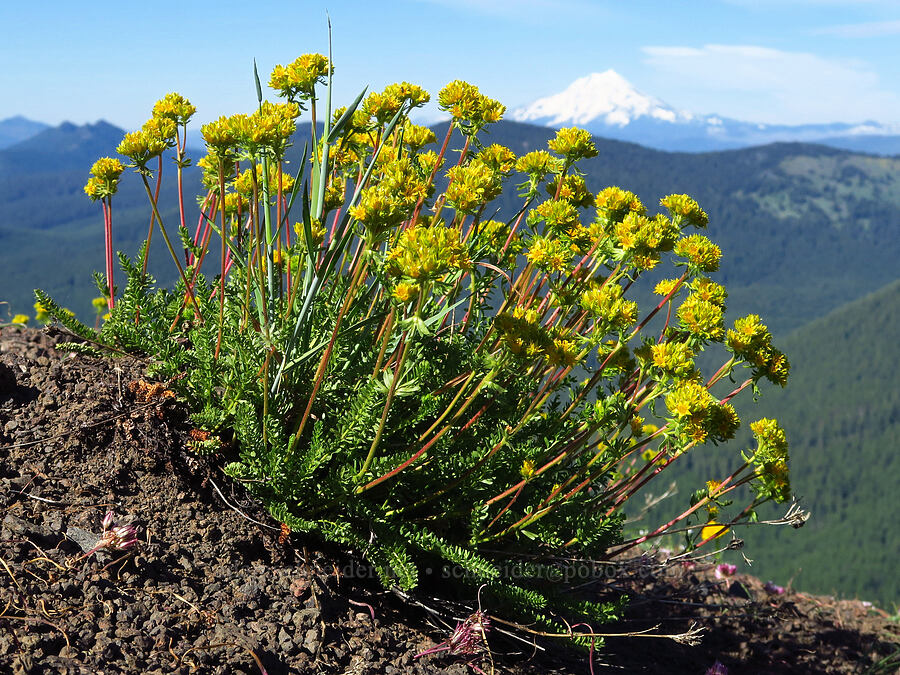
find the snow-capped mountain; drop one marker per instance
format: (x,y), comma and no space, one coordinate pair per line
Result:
(600,98)
(608,105)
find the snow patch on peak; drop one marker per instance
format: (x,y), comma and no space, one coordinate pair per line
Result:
(605,97)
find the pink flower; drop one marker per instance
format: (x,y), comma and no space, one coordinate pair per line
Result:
(725,570)
(772,589)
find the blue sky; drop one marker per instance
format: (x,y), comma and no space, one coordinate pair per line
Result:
(775,61)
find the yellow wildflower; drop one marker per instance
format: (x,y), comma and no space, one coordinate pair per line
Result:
(688,398)
(472,186)
(405,292)
(700,252)
(683,208)
(41,313)
(702,318)
(527,470)
(174,107)
(426,253)
(713,530)
(298,79)
(573,144)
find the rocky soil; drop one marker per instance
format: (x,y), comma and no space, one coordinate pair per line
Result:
(214,586)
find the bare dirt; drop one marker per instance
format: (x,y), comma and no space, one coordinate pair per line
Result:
(215,586)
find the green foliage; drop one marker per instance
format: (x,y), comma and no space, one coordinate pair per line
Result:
(395,379)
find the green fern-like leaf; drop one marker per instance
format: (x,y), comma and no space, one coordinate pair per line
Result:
(65,317)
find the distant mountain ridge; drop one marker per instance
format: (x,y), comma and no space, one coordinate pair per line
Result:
(16,129)
(607,105)
(61,147)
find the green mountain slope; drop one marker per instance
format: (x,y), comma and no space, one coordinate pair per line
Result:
(841,410)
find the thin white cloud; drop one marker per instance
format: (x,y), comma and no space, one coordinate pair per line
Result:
(769,85)
(862,30)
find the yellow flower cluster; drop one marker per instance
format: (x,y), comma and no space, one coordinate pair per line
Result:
(689,398)
(405,292)
(390,200)
(665,287)
(674,358)
(298,79)
(563,352)
(269,127)
(416,137)
(161,128)
(335,193)
(749,337)
(684,208)
(723,421)
(574,190)
(104,180)
(614,203)
(524,336)
(235,203)
(751,340)
(700,252)
(628,231)
(316,229)
(220,137)
(243,184)
(702,318)
(472,186)
(549,254)
(573,144)
(538,164)
(40,313)
(20,319)
(427,253)
(383,106)
(701,417)
(174,107)
(527,470)
(606,303)
(707,289)
(636,232)
(500,158)
(558,214)
(771,458)
(469,106)
(142,146)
